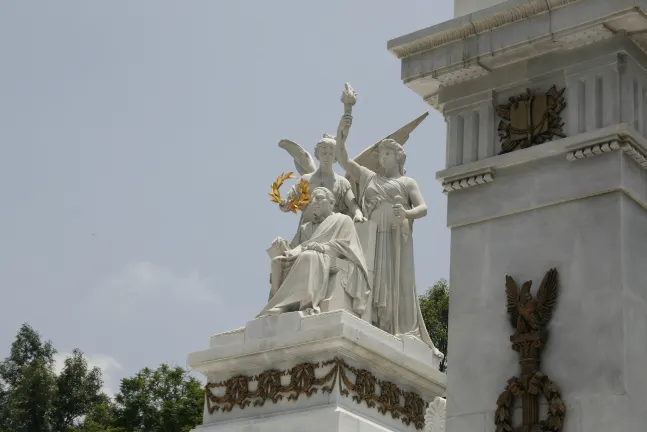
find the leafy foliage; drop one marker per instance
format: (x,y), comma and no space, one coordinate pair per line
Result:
(29,384)
(33,398)
(101,417)
(434,305)
(163,400)
(78,390)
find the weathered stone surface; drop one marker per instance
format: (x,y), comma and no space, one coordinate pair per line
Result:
(577,204)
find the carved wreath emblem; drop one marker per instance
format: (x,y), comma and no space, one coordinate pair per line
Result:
(296,202)
(537,384)
(531,119)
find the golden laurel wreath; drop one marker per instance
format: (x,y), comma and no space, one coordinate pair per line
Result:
(296,202)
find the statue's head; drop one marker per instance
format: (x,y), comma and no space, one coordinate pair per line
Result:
(325,150)
(322,202)
(391,154)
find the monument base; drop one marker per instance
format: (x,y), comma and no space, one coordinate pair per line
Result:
(327,372)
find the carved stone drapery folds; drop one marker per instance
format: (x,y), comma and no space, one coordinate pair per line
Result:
(385,396)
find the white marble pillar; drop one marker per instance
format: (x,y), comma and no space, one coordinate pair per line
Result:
(577,203)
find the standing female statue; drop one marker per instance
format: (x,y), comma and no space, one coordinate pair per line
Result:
(393,201)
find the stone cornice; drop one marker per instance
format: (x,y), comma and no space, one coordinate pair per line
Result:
(630,146)
(470,25)
(622,133)
(512,35)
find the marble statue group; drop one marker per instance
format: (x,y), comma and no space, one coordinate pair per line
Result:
(375,270)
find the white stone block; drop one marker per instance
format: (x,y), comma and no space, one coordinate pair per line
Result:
(415,348)
(326,419)
(228,338)
(337,336)
(272,326)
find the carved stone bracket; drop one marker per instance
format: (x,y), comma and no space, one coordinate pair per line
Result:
(598,149)
(594,150)
(243,391)
(635,154)
(470,180)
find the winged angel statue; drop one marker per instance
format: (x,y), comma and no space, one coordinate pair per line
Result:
(376,189)
(529,314)
(323,176)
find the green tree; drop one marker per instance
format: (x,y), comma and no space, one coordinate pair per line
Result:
(29,384)
(163,400)
(434,305)
(34,399)
(78,390)
(4,400)
(101,418)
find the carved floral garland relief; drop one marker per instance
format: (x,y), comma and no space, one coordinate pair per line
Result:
(409,407)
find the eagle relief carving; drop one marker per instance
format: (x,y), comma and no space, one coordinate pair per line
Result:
(529,314)
(529,317)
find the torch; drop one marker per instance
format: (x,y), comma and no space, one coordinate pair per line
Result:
(348,98)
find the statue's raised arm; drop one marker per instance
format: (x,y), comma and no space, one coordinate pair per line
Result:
(353,170)
(392,201)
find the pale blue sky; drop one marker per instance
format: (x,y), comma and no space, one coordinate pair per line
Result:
(138,146)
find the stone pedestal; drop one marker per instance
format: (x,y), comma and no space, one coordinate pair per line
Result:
(327,372)
(576,203)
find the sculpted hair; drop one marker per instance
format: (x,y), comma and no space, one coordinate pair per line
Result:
(326,141)
(329,195)
(400,155)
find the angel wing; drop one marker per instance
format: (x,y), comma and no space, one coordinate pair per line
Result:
(435,415)
(368,158)
(303,162)
(512,293)
(547,296)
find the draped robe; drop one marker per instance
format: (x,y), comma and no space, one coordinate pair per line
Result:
(396,308)
(339,186)
(304,276)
